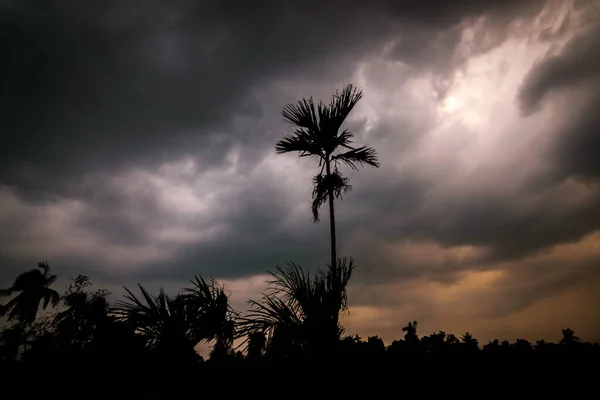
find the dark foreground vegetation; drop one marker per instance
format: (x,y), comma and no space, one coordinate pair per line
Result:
(294,324)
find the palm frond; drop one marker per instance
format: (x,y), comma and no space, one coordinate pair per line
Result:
(345,139)
(301,141)
(45,266)
(360,156)
(322,183)
(332,115)
(268,315)
(50,297)
(343,102)
(146,314)
(281,307)
(302,114)
(299,307)
(211,316)
(296,286)
(320,195)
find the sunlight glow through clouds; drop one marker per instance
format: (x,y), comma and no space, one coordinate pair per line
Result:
(479,115)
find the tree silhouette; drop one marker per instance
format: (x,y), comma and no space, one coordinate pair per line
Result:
(210,315)
(317,134)
(522,347)
(569,338)
(411,332)
(173,326)
(11,340)
(299,311)
(161,320)
(296,321)
(469,343)
(85,313)
(33,287)
(256,345)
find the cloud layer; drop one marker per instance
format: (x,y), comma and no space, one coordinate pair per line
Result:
(136,144)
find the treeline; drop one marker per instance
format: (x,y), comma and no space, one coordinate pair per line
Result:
(296,322)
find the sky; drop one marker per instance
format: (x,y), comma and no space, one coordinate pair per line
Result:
(137,145)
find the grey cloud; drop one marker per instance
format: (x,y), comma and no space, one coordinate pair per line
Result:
(576,68)
(112,84)
(578,63)
(254,243)
(576,151)
(99,88)
(496,223)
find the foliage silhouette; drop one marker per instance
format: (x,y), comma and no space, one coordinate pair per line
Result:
(12,339)
(33,287)
(411,332)
(318,134)
(173,326)
(211,316)
(294,324)
(85,313)
(299,310)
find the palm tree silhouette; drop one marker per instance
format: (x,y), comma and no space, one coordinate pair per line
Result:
(34,286)
(161,320)
(174,325)
(569,337)
(299,312)
(212,317)
(318,135)
(411,332)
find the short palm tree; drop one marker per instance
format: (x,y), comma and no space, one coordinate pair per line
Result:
(33,287)
(318,134)
(214,319)
(176,324)
(299,311)
(160,319)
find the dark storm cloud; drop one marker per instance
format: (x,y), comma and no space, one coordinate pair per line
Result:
(255,240)
(575,72)
(497,224)
(578,63)
(576,153)
(94,90)
(102,85)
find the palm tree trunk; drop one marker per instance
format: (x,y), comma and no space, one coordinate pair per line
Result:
(335,316)
(331,221)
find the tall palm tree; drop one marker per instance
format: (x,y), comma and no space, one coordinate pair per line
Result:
(299,311)
(318,134)
(34,287)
